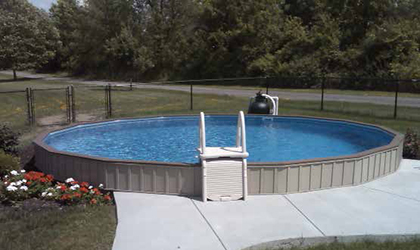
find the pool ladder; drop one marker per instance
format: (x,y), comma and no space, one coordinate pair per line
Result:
(224,169)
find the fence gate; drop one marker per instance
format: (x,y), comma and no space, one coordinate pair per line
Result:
(52,106)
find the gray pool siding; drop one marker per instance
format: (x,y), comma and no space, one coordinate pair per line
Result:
(319,175)
(136,177)
(186,179)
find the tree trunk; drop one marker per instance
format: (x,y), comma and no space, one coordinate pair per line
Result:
(14,75)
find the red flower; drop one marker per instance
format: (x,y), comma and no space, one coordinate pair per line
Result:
(63,187)
(33,176)
(96,191)
(107,197)
(65,197)
(74,182)
(49,177)
(84,184)
(84,190)
(29,183)
(78,195)
(93,201)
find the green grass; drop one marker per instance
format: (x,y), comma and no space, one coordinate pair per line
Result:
(71,228)
(50,106)
(413,244)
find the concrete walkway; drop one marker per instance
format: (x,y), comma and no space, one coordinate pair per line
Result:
(243,92)
(386,206)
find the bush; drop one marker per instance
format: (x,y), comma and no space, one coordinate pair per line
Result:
(8,163)
(411,145)
(9,140)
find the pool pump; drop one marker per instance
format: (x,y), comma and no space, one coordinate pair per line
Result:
(260,104)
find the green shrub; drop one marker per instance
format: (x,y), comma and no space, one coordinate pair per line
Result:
(8,163)
(411,145)
(9,140)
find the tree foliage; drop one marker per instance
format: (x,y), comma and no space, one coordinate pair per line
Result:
(27,37)
(161,39)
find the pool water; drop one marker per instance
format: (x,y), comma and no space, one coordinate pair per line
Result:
(175,139)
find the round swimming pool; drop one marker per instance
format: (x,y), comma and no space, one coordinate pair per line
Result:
(175,139)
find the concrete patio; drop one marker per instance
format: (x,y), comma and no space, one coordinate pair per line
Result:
(387,206)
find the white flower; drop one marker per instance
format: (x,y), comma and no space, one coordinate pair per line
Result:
(75,187)
(49,194)
(5,183)
(11,188)
(13,184)
(6,176)
(101,185)
(24,180)
(23,171)
(90,187)
(44,194)
(58,187)
(14,172)
(24,188)
(69,180)
(19,183)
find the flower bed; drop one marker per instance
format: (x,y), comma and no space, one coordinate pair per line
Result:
(19,186)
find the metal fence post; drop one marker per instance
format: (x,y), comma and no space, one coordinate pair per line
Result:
(73,104)
(267,85)
(29,106)
(322,93)
(397,86)
(32,94)
(191,98)
(110,100)
(106,102)
(68,104)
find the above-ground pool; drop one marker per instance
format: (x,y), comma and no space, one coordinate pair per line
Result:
(175,139)
(158,154)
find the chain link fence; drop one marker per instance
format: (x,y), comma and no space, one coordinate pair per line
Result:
(382,98)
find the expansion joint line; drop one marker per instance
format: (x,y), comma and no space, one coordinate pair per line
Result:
(304,215)
(208,223)
(386,192)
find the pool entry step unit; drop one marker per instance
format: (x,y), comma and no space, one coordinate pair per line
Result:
(224,169)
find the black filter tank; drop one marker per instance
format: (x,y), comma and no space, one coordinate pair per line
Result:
(259,105)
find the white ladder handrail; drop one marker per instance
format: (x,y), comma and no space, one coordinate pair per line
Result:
(240,134)
(202,134)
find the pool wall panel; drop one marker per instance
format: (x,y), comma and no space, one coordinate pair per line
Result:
(327,174)
(186,179)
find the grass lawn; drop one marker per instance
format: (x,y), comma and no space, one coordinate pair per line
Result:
(413,244)
(53,228)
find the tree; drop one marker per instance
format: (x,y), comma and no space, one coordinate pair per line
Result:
(65,15)
(166,31)
(234,36)
(126,53)
(27,38)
